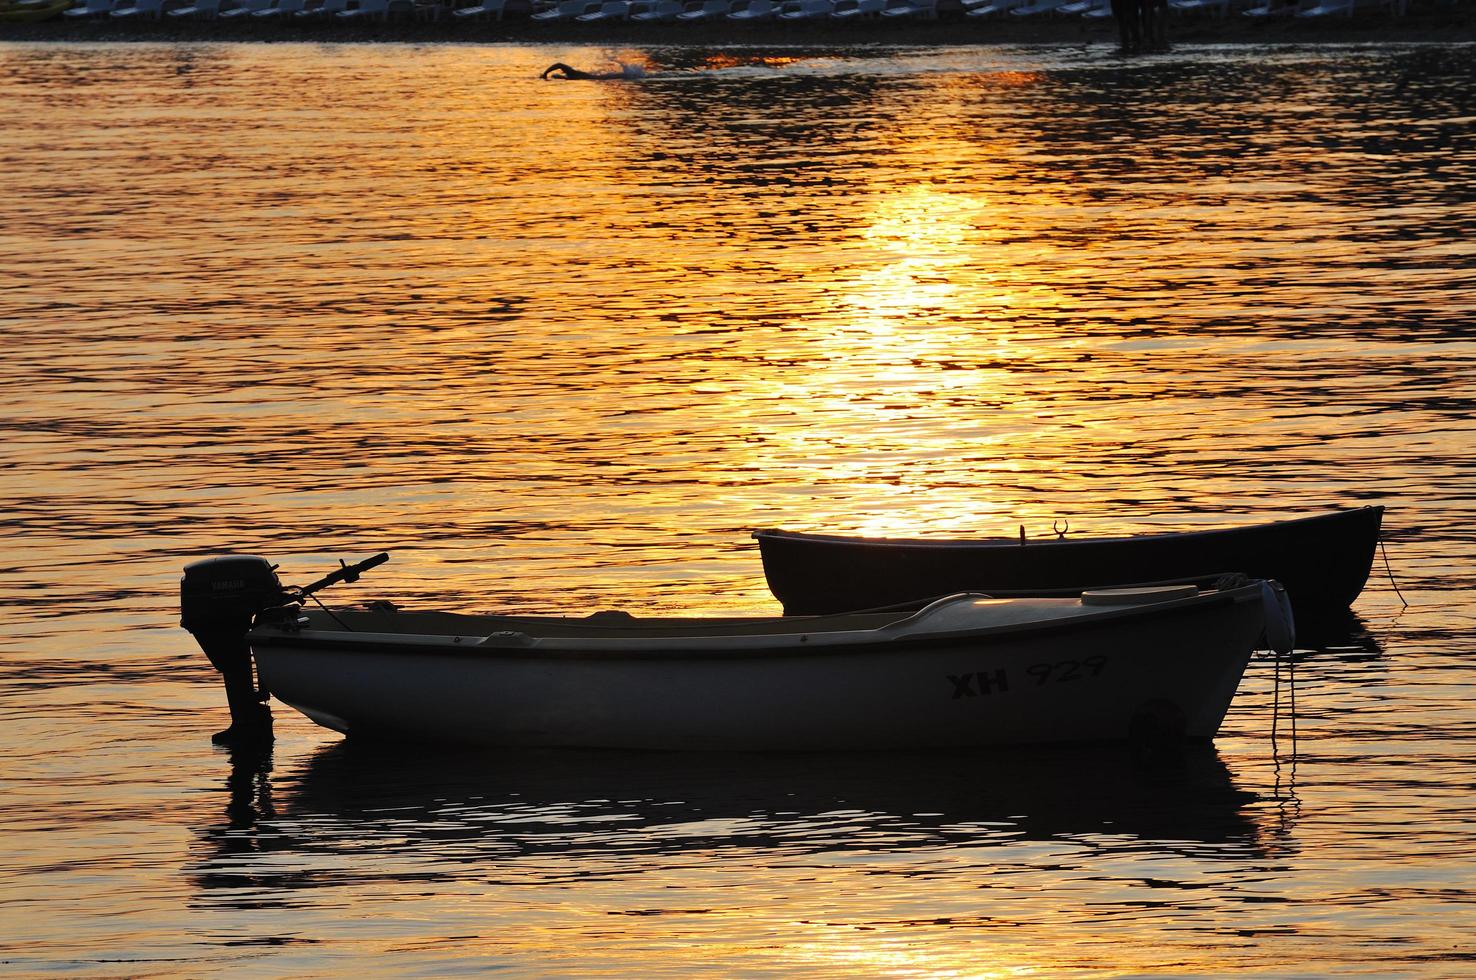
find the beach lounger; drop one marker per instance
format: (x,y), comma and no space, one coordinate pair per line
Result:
(1274,8)
(566,10)
(990,8)
(705,10)
(494,9)
(246,7)
(281,8)
(910,8)
(1218,8)
(806,9)
(1327,8)
(325,9)
(1037,7)
(655,11)
(200,8)
(847,9)
(366,8)
(752,10)
(139,8)
(609,10)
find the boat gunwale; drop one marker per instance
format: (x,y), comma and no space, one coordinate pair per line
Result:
(943,544)
(795,647)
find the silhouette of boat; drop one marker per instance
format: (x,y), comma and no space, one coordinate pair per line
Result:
(965,671)
(1323,562)
(962,672)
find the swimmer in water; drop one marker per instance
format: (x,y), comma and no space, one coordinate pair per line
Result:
(626,73)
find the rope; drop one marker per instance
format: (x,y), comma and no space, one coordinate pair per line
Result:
(347,628)
(1288,804)
(1391,572)
(1291,687)
(1275,699)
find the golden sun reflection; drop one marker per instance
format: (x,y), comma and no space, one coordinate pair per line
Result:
(921,235)
(904,366)
(1015,79)
(881,954)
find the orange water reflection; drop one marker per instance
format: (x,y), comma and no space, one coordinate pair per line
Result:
(835,866)
(561,346)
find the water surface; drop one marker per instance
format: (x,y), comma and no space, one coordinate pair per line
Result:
(560,346)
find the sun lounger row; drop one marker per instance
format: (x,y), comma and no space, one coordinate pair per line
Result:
(1308,8)
(1218,8)
(346,9)
(689,11)
(694,11)
(1030,8)
(584,11)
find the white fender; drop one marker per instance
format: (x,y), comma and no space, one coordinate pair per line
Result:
(1281,627)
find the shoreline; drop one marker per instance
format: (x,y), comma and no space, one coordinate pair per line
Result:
(1444,25)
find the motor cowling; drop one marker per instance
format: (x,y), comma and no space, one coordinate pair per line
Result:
(218,599)
(227,592)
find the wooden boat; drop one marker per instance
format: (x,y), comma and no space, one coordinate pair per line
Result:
(1323,562)
(966,671)
(44,10)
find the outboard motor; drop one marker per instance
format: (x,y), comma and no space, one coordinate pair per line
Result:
(218,599)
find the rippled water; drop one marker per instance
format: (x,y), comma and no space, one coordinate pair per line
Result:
(562,345)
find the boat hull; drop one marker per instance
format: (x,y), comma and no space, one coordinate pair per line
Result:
(1088,680)
(1322,561)
(10,13)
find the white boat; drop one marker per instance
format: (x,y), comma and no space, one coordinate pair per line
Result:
(966,671)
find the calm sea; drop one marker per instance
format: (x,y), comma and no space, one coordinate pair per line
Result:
(561,346)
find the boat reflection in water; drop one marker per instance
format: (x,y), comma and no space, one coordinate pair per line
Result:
(357,810)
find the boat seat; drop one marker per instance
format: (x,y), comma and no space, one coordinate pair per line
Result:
(1137,596)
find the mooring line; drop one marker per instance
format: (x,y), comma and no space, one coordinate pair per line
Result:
(1291,688)
(1390,571)
(1276,757)
(1275,699)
